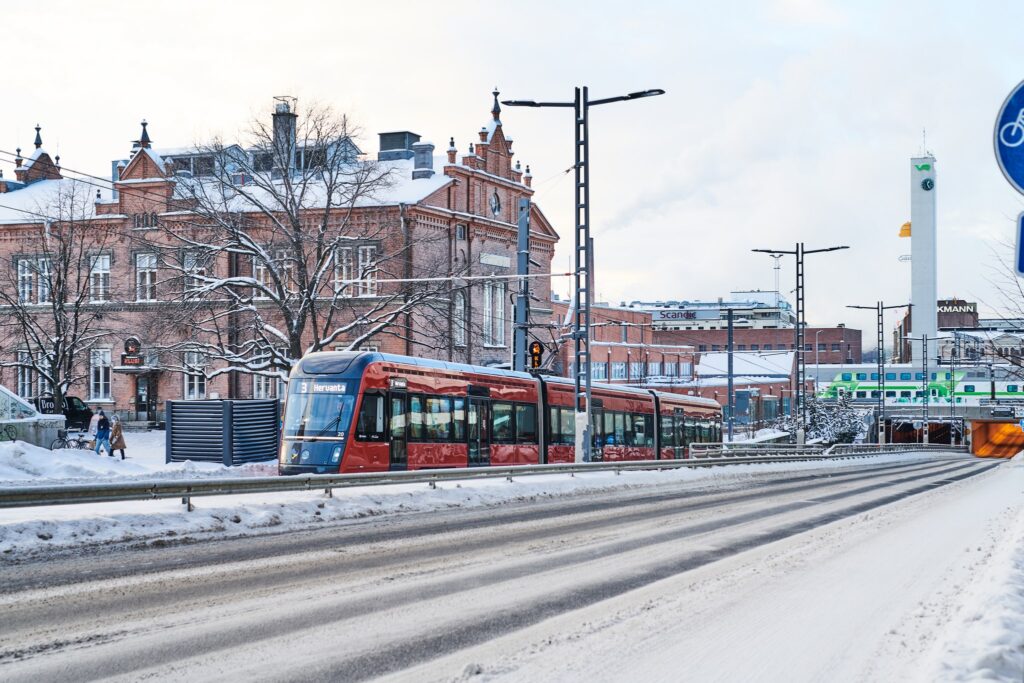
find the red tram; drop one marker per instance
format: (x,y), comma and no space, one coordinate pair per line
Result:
(372,412)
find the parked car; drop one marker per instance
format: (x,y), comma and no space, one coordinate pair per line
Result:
(76,414)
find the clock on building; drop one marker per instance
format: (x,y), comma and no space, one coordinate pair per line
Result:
(495,204)
(927,184)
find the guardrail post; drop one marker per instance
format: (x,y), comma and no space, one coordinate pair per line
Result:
(187,502)
(329,492)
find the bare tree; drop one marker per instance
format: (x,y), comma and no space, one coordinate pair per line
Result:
(53,293)
(292,248)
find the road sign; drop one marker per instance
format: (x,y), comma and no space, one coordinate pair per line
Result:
(1008,138)
(1022,425)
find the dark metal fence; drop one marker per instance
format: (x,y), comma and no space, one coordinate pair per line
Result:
(231,432)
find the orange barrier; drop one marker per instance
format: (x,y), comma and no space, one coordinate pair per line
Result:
(996,439)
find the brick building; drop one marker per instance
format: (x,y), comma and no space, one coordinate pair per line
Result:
(824,345)
(623,349)
(456,211)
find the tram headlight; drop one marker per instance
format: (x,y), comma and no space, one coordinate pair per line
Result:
(336,455)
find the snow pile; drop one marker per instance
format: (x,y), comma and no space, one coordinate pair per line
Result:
(986,640)
(24,464)
(27,530)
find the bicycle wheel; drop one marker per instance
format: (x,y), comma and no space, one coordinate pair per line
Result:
(10,433)
(83,444)
(59,443)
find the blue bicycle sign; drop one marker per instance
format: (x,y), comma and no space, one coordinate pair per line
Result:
(1009,138)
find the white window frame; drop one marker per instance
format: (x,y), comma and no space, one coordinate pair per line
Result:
(460,327)
(26,280)
(618,370)
(26,379)
(494,313)
(44,289)
(264,386)
(654,368)
(598,371)
(343,285)
(145,276)
(636,369)
(367,270)
(195,382)
(99,374)
(99,278)
(194,265)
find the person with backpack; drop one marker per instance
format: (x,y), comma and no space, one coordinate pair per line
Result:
(103,434)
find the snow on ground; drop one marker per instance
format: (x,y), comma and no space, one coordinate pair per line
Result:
(22,463)
(35,529)
(985,640)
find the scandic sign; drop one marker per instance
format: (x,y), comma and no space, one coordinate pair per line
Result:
(684,314)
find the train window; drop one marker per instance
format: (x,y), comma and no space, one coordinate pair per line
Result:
(526,423)
(968,388)
(415,417)
(370,425)
(459,422)
(437,418)
(501,416)
(568,417)
(620,429)
(667,431)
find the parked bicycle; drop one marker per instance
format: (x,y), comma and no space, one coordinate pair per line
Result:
(66,440)
(8,433)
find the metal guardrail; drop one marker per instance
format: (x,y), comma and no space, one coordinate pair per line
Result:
(857,448)
(72,494)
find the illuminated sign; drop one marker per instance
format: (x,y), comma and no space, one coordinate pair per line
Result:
(132,359)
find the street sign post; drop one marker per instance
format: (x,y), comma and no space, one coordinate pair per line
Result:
(1018,261)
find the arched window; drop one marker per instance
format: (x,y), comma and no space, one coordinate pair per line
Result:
(459,316)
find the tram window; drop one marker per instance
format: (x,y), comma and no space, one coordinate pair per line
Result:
(397,417)
(690,428)
(680,430)
(437,418)
(568,418)
(501,416)
(459,422)
(370,426)
(415,417)
(639,434)
(667,431)
(526,424)
(620,429)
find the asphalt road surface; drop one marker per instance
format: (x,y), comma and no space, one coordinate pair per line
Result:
(588,587)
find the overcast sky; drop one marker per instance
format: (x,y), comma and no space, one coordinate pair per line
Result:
(783,121)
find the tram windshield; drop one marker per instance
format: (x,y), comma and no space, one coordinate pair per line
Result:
(318,408)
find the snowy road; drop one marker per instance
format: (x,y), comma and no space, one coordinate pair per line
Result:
(833,575)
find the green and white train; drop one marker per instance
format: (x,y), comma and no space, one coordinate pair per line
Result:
(905,384)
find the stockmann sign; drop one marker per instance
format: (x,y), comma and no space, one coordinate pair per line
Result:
(1008,140)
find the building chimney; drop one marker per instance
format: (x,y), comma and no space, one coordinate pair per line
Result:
(423,166)
(452,151)
(284,134)
(397,145)
(528,177)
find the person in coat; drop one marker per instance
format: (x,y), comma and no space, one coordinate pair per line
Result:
(103,434)
(95,420)
(117,435)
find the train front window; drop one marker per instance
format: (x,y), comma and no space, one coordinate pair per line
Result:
(318,408)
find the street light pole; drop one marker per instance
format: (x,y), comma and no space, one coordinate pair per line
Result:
(880,309)
(583,252)
(801,323)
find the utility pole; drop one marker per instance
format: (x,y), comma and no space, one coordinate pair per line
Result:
(801,322)
(523,296)
(731,397)
(880,309)
(583,257)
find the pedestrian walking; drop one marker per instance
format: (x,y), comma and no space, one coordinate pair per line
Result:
(117,435)
(103,434)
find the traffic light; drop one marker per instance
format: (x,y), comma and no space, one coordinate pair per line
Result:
(536,354)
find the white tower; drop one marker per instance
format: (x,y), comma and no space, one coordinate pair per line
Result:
(923,278)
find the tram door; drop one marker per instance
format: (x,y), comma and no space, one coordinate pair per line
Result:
(399,433)
(478,429)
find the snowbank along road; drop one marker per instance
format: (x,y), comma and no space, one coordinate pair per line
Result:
(824,574)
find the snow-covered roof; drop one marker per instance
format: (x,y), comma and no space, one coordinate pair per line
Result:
(157,159)
(34,158)
(403,188)
(769,364)
(45,198)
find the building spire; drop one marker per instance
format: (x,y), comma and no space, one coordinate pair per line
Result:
(39,138)
(144,138)
(496,109)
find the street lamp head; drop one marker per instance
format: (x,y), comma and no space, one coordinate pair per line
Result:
(520,103)
(645,93)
